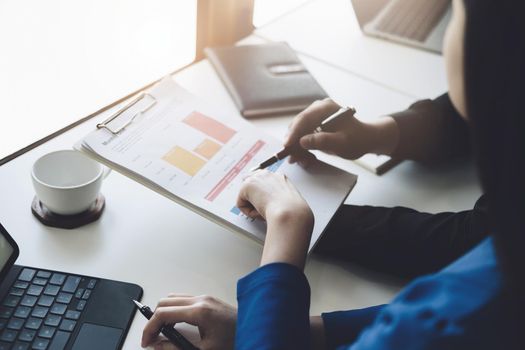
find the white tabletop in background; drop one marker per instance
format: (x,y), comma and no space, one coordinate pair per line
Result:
(188,253)
(328,30)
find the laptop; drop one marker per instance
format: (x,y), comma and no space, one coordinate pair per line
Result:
(417,23)
(51,310)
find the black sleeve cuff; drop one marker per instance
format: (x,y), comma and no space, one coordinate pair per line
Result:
(431,130)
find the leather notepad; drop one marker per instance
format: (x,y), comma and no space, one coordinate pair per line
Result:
(266,79)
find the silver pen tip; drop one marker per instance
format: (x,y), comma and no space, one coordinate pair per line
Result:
(139,305)
(255,168)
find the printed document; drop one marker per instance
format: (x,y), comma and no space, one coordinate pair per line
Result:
(184,149)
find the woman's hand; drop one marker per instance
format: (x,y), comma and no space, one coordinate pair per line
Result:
(351,139)
(290,220)
(215,319)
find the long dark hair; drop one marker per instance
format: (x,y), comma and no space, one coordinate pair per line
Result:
(495,93)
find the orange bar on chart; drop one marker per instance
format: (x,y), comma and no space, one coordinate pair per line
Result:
(209,126)
(207,148)
(184,160)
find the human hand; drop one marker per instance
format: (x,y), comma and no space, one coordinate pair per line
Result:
(188,331)
(290,220)
(350,138)
(215,320)
(266,195)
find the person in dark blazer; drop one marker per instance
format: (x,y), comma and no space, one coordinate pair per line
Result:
(469,267)
(400,241)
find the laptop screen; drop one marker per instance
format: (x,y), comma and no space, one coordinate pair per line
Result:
(8,252)
(366,10)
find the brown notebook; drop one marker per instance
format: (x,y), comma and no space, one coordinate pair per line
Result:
(266,79)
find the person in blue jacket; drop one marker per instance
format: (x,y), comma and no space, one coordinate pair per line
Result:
(475,302)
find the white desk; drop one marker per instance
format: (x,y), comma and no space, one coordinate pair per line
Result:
(328,30)
(192,255)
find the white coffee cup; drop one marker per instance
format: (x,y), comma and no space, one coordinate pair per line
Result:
(67,182)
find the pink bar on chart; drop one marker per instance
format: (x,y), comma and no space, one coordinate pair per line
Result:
(241,164)
(209,126)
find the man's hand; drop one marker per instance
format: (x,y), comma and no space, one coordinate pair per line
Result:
(215,319)
(351,139)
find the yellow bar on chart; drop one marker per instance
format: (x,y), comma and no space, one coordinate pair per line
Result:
(184,160)
(207,148)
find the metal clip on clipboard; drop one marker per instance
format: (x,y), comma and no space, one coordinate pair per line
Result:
(105,123)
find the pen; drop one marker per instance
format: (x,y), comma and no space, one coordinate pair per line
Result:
(325,126)
(169,332)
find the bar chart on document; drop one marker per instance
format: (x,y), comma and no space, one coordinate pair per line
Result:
(195,157)
(212,158)
(190,153)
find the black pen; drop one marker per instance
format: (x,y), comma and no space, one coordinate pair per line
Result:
(169,332)
(325,126)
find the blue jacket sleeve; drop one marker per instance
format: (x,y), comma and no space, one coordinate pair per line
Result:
(274,303)
(343,327)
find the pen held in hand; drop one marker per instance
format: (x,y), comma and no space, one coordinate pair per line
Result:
(326,125)
(169,332)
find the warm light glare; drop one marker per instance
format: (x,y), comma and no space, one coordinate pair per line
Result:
(268,10)
(62,60)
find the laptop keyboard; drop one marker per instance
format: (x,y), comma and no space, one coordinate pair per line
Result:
(412,19)
(42,309)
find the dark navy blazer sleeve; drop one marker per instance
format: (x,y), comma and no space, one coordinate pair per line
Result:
(273,309)
(431,131)
(403,241)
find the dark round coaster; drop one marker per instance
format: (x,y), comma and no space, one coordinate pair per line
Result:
(49,218)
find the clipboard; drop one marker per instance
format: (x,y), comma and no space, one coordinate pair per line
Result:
(120,112)
(209,186)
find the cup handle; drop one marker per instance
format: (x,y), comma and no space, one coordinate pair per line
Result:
(106,172)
